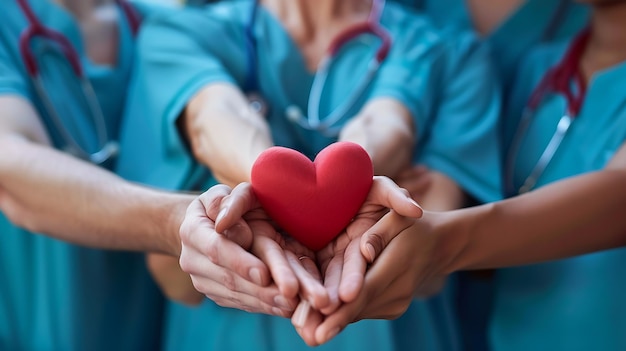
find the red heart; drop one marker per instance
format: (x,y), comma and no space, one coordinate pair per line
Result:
(313,201)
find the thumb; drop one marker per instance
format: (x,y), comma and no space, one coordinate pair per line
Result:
(375,239)
(234,206)
(386,193)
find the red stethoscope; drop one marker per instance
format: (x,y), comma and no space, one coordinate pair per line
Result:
(566,79)
(107,149)
(313,121)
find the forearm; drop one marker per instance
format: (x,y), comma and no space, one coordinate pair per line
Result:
(385,130)
(49,192)
(225,133)
(571,217)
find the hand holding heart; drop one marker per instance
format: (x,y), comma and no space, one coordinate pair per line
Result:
(232,234)
(313,201)
(323,205)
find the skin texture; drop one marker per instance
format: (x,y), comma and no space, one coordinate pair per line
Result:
(551,222)
(407,255)
(383,127)
(262,265)
(126,216)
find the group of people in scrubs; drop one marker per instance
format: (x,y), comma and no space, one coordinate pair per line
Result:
(128,132)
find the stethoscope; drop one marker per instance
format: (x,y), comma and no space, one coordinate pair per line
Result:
(107,149)
(565,78)
(313,121)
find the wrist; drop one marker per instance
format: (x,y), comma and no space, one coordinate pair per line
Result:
(467,238)
(171,217)
(451,231)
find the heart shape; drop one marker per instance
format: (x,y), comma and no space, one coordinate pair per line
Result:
(313,201)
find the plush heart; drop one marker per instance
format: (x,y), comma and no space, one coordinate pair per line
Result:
(313,201)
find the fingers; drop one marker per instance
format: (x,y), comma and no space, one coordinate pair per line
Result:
(301,314)
(270,252)
(306,321)
(379,235)
(353,273)
(332,280)
(369,302)
(336,322)
(231,290)
(204,211)
(234,205)
(386,193)
(240,233)
(211,200)
(201,244)
(311,289)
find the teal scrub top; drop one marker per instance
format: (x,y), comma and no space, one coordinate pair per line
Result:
(456,126)
(577,303)
(53,295)
(533,23)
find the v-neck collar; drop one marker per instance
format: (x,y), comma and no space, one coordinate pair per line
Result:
(58,18)
(606,81)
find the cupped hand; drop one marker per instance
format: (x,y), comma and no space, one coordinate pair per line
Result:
(237,257)
(411,264)
(218,258)
(344,262)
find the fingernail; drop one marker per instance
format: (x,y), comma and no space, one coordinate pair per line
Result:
(255,276)
(299,317)
(371,252)
(222,214)
(413,202)
(331,334)
(282,302)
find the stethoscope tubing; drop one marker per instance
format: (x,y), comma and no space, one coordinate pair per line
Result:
(108,148)
(313,120)
(559,80)
(546,156)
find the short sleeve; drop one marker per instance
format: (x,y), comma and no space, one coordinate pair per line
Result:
(177,56)
(412,71)
(463,141)
(13,80)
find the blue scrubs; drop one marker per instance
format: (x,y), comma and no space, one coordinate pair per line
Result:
(534,22)
(53,295)
(577,303)
(446,85)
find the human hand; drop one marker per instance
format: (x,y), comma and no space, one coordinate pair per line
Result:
(249,242)
(218,259)
(344,261)
(411,264)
